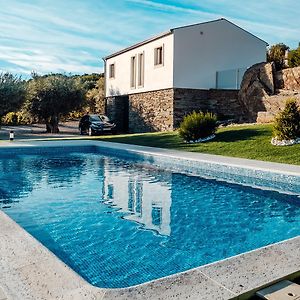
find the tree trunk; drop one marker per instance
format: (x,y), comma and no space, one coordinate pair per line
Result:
(52,125)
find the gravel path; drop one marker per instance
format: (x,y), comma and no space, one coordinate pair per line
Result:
(38,131)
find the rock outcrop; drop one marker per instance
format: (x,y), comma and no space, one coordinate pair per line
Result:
(264,91)
(288,79)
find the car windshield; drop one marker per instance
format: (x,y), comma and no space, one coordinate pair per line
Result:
(104,118)
(95,118)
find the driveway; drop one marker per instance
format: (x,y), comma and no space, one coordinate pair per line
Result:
(38,131)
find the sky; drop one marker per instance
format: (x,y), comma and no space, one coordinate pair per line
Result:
(72,36)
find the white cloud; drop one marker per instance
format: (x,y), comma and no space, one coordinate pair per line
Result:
(72,36)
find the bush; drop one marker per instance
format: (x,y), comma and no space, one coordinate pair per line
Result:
(17,118)
(198,125)
(10,118)
(287,122)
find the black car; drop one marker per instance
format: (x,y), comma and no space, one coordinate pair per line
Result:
(96,124)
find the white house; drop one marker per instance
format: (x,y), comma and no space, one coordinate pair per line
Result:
(204,56)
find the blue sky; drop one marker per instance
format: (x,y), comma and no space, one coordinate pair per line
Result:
(73,35)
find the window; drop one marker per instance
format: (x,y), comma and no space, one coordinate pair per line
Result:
(159,56)
(141,70)
(110,191)
(156,215)
(133,72)
(112,71)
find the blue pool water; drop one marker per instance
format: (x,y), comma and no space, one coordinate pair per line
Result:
(119,224)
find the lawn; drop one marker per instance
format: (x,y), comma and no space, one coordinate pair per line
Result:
(251,141)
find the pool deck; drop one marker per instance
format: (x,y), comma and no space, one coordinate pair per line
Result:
(28,270)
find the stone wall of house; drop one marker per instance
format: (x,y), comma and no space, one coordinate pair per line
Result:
(220,102)
(225,103)
(151,111)
(163,110)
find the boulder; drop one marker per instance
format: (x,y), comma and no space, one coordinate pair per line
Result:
(257,85)
(264,91)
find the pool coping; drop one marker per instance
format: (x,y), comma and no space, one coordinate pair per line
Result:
(28,270)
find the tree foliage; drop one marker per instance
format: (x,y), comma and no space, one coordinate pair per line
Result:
(51,96)
(95,98)
(287,123)
(276,54)
(12,93)
(294,58)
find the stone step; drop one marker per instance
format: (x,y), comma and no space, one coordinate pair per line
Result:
(265,117)
(283,290)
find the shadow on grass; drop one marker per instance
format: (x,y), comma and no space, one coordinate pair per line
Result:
(162,140)
(241,134)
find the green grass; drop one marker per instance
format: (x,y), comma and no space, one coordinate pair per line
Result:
(251,141)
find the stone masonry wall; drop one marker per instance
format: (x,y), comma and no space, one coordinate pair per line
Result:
(163,110)
(225,103)
(151,111)
(288,79)
(221,102)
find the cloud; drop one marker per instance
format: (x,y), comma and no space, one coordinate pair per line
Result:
(73,35)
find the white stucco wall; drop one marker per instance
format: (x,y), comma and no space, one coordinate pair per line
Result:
(221,46)
(155,78)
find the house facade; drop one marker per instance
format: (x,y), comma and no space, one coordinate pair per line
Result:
(153,84)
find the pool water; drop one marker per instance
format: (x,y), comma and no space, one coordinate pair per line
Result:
(119,224)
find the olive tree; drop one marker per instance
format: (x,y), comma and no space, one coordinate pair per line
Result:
(51,96)
(12,93)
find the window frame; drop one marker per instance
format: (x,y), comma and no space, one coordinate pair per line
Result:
(159,62)
(133,69)
(141,69)
(112,75)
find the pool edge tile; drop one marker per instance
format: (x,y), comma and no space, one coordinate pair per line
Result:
(191,284)
(248,271)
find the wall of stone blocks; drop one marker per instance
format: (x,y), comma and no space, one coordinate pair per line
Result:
(288,79)
(220,102)
(151,111)
(163,110)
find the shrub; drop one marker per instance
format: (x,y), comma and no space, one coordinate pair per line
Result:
(10,118)
(17,118)
(287,122)
(198,125)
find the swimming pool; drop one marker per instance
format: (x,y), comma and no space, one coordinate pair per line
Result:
(119,222)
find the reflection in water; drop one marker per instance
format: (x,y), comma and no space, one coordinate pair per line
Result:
(142,198)
(119,224)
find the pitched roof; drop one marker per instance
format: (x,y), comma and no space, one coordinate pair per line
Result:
(156,37)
